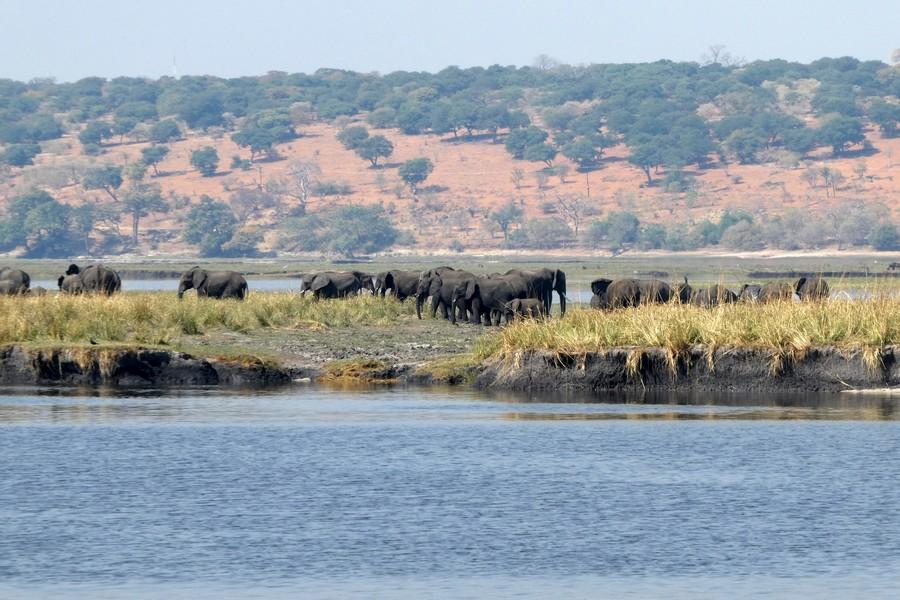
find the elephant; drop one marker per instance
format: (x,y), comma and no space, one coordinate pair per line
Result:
(93,278)
(774,292)
(439,284)
(8,288)
(654,291)
(528,308)
(213,284)
(615,294)
(340,284)
(713,296)
(684,292)
(402,284)
(750,293)
(38,291)
(485,296)
(18,280)
(541,285)
(812,288)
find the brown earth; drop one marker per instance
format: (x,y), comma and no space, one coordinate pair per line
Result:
(470,179)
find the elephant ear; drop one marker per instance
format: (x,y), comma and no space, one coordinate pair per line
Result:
(471,289)
(59,281)
(73,269)
(435,287)
(319,283)
(800,283)
(389,280)
(198,277)
(598,286)
(559,281)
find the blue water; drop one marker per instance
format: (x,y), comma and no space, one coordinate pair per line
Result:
(410,494)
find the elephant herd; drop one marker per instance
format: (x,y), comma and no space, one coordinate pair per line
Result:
(99,279)
(621,293)
(458,294)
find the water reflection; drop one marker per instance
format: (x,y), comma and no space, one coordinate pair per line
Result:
(308,404)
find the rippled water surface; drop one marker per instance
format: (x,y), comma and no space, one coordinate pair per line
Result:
(410,494)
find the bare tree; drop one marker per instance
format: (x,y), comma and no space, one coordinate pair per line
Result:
(574,209)
(297,184)
(517,176)
(718,55)
(246,203)
(543,62)
(895,56)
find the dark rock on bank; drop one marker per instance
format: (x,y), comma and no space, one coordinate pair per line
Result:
(129,367)
(721,369)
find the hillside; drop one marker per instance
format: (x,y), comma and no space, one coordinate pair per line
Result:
(764,176)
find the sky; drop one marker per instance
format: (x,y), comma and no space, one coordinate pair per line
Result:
(69,40)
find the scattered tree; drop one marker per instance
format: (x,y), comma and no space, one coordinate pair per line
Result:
(165,131)
(352,137)
(506,217)
(205,160)
(153,155)
(375,148)
(415,171)
(107,178)
(139,201)
(19,155)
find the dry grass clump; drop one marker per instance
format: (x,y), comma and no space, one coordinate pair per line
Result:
(785,328)
(159,319)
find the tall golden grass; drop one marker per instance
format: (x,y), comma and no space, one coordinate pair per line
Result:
(785,328)
(160,319)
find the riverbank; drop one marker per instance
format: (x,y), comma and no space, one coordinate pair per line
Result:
(153,339)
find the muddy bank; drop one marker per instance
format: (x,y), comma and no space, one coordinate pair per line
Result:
(723,369)
(130,367)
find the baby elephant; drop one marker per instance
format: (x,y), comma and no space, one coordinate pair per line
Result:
(526,308)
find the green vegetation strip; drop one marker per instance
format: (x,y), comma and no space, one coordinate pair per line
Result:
(160,319)
(784,328)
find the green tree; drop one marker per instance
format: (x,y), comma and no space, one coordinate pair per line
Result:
(886,116)
(841,132)
(94,133)
(165,131)
(153,155)
(205,160)
(19,155)
(745,144)
(885,237)
(139,201)
(645,156)
(122,126)
(520,139)
(210,225)
(415,171)
(506,217)
(375,148)
(541,152)
(581,151)
(107,178)
(351,137)
(352,230)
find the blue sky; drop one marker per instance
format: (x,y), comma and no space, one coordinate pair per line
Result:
(69,40)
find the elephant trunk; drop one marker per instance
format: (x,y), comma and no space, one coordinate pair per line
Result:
(420,300)
(562,303)
(181,290)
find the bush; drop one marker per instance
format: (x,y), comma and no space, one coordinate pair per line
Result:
(547,233)
(743,236)
(331,188)
(885,237)
(347,230)
(205,160)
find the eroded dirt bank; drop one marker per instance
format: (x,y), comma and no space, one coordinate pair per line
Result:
(723,369)
(20,365)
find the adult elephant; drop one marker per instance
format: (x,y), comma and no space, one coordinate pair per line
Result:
(620,293)
(654,291)
(17,280)
(776,292)
(439,284)
(541,284)
(213,284)
(340,284)
(488,297)
(714,296)
(401,284)
(812,288)
(92,279)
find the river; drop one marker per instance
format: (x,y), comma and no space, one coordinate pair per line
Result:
(407,493)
